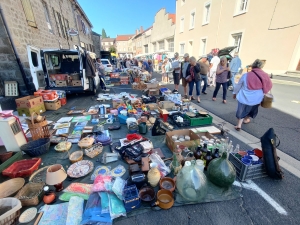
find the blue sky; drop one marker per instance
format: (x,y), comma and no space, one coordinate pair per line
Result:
(123,17)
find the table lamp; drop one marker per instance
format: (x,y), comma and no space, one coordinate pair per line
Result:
(55,176)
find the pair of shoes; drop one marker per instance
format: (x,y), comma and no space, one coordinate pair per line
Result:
(175,91)
(237,128)
(198,101)
(214,99)
(204,93)
(192,98)
(224,101)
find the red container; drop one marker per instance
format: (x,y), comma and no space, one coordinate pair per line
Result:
(63,101)
(164,117)
(22,168)
(49,95)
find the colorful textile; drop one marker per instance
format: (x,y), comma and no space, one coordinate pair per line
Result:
(54,214)
(67,196)
(79,188)
(75,211)
(254,83)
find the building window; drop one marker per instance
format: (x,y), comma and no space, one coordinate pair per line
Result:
(181,24)
(181,49)
(68,28)
(47,17)
(154,47)
(28,13)
(56,21)
(237,41)
(192,21)
(203,46)
(161,45)
(243,5)
(206,13)
(61,25)
(171,45)
(34,59)
(146,48)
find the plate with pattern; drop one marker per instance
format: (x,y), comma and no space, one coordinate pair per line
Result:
(80,169)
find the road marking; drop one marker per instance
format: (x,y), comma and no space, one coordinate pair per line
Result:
(250,185)
(294,101)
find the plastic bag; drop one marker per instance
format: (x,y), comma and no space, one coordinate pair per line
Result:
(116,206)
(164,170)
(92,214)
(118,187)
(99,183)
(104,202)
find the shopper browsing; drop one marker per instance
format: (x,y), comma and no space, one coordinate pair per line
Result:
(176,72)
(184,66)
(204,71)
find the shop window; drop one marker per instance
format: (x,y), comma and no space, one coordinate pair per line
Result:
(34,59)
(146,48)
(47,17)
(28,13)
(206,13)
(161,45)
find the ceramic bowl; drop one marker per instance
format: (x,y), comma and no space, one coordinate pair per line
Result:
(258,152)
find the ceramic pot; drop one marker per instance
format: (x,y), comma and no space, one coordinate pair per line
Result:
(153,175)
(167,183)
(221,172)
(49,197)
(147,194)
(165,199)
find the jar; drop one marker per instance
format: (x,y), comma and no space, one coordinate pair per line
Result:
(153,175)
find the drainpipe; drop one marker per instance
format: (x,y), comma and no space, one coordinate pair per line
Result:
(220,14)
(16,54)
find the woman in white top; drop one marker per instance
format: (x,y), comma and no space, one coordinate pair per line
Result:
(250,91)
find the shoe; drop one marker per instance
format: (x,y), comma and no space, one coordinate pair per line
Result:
(175,91)
(237,128)
(230,88)
(204,93)
(214,99)
(192,98)
(198,101)
(224,101)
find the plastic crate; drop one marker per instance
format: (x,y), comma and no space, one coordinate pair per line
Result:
(200,120)
(11,88)
(131,198)
(245,172)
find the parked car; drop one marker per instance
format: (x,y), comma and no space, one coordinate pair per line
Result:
(108,67)
(223,52)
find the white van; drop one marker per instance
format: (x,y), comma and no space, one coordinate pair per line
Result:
(71,70)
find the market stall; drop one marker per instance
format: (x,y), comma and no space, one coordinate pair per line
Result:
(124,155)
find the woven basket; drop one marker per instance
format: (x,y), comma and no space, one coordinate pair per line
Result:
(11,216)
(93,151)
(76,156)
(37,147)
(31,194)
(11,187)
(63,146)
(38,130)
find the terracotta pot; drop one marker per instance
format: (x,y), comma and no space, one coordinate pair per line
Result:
(165,199)
(147,194)
(167,183)
(49,197)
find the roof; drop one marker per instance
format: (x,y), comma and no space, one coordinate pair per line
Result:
(108,39)
(125,37)
(94,33)
(172,17)
(83,13)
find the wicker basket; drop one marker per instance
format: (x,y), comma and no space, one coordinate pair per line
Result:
(31,194)
(11,216)
(93,151)
(38,130)
(11,187)
(76,156)
(37,147)
(63,146)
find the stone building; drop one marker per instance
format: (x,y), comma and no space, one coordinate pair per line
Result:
(97,43)
(260,29)
(163,31)
(122,43)
(137,41)
(146,41)
(35,25)
(107,43)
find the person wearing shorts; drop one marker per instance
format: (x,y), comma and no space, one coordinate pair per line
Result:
(183,69)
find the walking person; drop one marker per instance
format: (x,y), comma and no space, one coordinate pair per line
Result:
(176,72)
(214,62)
(235,65)
(150,67)
(221,78)
(193,71)
(184,66)
(168,68)
(204,71)
(249,92)
(128,63)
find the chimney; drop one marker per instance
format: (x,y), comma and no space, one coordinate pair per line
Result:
(141,29)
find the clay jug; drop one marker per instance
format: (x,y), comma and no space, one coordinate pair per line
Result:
(221,172)
(153,175)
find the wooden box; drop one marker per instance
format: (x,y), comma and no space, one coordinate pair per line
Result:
(61,83)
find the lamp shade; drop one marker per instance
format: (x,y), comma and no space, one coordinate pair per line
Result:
(55,174)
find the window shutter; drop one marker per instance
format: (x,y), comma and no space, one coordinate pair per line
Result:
(56,22)
(79,22)
(28,13)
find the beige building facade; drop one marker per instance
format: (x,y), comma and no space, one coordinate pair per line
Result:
(124,45)
(163,31)
(107,43)
(146,41)
(260,29)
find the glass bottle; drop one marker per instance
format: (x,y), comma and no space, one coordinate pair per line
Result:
(200,164)
(207,159)
(216,153)
(204,150)
(175,165)
(198,152)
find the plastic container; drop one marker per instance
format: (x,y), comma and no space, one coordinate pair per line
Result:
(22,168)
(200,120)
(247,172)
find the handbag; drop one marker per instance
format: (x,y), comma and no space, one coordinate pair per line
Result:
(189,78)
(268,144)
(268,98)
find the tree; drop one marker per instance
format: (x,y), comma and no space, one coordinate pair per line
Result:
(104,34)
(112,49)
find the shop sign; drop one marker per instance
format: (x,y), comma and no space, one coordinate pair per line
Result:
(72,32)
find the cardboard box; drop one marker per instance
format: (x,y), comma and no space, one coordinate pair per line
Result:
(153,92)
(61,83)
(28,111)
(29,101)
(172,145)
(74,76)
(152,106)
(47,94)
(52,105)
(152,85)
(166,105)
(76,83)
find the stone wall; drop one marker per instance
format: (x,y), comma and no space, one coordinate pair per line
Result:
(41,37)
(96,43)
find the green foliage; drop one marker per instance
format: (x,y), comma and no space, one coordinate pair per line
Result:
(112,49)
(104,34)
